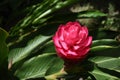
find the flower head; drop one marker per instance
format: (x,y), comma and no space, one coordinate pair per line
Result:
(72,42)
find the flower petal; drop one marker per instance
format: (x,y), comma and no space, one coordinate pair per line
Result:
(88,41)
(84,51)
(56,41)
(61,52)
(64,45)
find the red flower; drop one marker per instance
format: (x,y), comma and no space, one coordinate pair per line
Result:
(72,42)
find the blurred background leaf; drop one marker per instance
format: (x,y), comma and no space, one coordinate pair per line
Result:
(3,54)
(3,47)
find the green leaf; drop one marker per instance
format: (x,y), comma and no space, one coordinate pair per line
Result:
(101,48)
(104,50)
(91,14)
(3,47)
(58,6)
(18,54)
(57,65)
(48,48)
(37,67)
(107,62)
(105,44)
(39,15)
(99,75)
(109,42)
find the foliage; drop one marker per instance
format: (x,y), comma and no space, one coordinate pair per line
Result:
(27,48)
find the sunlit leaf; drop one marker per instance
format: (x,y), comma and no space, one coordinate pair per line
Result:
(38,66)
(109,42)
(104,50)
(99,75)
(18,54)
(102,45)
(107,62)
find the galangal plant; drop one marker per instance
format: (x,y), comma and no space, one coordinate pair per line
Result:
(50,42)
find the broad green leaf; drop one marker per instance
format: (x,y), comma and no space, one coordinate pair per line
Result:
(48,48)
(104,44)
(99,75)
(37,67)
(109,42)
(91,14)
(18,54)
(101,48)
(3,47)
(107,62)
(3,55)
(104,50)
(57,65)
